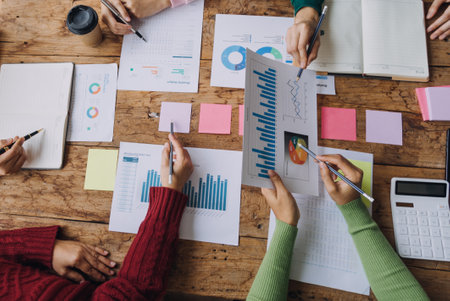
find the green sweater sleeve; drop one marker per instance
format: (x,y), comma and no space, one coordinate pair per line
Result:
(298,4)
(271,281)
(388,276)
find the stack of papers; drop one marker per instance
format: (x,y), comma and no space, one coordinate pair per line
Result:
(434,103)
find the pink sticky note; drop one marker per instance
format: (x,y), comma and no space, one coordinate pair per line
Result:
(384,127)
(338,123)
(422,98)
(177,112)
(241,120)
(439,103)
(215,119)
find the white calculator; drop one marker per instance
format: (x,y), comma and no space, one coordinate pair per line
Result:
(421,218)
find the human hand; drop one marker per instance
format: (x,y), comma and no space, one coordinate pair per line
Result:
(299,35)
(281,201)
(182,165)
(145,8)
(110,20)
(70,256)
(13,159)
(340,192)
(441,26)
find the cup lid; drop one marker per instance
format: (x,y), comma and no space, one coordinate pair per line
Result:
(81,19)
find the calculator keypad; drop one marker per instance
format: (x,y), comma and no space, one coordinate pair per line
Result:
(423,233)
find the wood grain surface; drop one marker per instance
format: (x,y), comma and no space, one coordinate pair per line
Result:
(33,32)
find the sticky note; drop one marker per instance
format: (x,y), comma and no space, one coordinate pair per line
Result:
(325,85)
(422,99)
(101,169)
(384,127)
(215,119)
(177,112)
(241,120)
(439,103)
(338,123)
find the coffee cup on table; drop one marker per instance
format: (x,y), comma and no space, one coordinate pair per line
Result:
(83,21)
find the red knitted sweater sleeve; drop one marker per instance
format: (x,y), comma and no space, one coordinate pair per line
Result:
(29,245)
(147,263)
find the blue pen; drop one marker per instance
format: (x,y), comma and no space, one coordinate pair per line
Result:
(313,40)
(341,176)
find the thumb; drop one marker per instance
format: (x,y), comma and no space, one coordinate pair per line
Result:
(5,142)
(276,180)
(326,177)
(72,275)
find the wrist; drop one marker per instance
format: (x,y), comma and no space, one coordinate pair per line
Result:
(306,14)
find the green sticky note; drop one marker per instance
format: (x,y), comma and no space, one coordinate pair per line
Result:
(367,178)
(101,169)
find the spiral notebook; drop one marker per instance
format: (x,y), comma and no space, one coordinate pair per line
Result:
(34,96)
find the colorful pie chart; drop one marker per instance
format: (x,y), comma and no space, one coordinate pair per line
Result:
(92,112)
(94,88)
(275,52)
(297,155)
(226,57)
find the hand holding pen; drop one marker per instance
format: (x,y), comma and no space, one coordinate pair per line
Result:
(12,159)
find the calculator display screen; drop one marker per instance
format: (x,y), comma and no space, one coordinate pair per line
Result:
(421,189)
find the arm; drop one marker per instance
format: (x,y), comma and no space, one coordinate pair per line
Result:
(29,245)
(271,281)
(386,272)
(388,276)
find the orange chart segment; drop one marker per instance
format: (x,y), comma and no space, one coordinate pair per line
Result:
(297,155)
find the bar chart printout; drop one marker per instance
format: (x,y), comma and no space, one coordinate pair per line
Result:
(279,110)
(266,120)
(213,192)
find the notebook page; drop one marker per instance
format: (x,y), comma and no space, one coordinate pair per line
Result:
(394,40)
(35,88)
(44,150)
(341,44)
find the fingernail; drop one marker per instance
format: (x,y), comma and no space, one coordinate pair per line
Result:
(111,272)
(303,65)
(166,145)
(105,252)
(322,165)
(112,264)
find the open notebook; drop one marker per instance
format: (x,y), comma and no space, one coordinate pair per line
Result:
(374,37)
(34,96)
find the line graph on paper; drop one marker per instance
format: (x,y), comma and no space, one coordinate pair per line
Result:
(295,105)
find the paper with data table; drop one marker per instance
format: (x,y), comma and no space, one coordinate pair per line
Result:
(280,114)
(170,60)
(213,190)
(93,105)
(234,33)
(324,253)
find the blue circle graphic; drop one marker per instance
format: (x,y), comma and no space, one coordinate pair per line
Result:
(226,54)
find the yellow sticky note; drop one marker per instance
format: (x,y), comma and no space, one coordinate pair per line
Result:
(367,179)
(101,169)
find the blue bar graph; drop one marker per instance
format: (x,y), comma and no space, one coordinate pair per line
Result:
(210,194)
(266,118)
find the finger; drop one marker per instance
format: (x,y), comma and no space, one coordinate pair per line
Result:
(327,179)
(302,44)
(178,147)
(122,10)
(19,163)
(89,268)
(438,22)
(100,255)
(292,42)
(15,151)
(269,194)
(444,35)
(5,142)
(343,164)
(315,50)
(72,275)
(434,8)
(165,156)
(276,181)
(116,27)
(441,30)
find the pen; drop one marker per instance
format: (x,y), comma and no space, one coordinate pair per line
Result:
(171,156)
(341,176)
(118,15)
(314,37)
(7,147)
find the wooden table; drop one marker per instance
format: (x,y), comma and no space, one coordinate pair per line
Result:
(35,31)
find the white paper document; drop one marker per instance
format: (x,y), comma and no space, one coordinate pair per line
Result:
(170,60)
(93,105)
(325,85)
(234,33)
(213,190)
(280,114)
(324,253)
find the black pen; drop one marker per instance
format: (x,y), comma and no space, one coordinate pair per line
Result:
(314,38)
(7,147)
(118,15)
(171,156)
